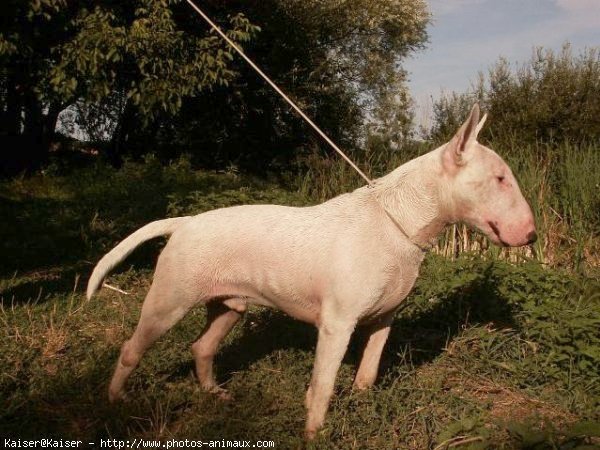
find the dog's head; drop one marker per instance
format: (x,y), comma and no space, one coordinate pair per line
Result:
(483,191)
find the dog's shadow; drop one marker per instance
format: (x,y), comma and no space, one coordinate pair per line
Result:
(43,285)
(420,332)
(424,328)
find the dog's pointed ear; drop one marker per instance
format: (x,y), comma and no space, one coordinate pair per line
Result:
(480,125)
(465,134)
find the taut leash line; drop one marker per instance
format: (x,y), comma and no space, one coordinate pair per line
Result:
(280,92)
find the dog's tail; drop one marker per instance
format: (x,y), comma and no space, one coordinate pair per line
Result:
(109,261)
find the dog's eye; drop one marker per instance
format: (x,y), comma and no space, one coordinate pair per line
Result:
(500,179)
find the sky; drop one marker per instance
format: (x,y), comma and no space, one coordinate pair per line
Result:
(468,36)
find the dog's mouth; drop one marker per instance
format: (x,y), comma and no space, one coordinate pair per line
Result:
(496,232)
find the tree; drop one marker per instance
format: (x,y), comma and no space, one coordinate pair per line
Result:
(29,32)
(341,62)
(135,55)
(152,76)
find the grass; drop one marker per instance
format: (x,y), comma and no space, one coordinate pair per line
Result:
(485,354)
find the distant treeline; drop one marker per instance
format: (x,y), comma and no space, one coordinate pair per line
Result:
(553,98)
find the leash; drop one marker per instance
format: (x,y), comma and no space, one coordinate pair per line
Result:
(301,113)
(280,92)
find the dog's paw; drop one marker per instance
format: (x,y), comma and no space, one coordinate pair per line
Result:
(116,396)
(361,386)
(220,393)
(310,435)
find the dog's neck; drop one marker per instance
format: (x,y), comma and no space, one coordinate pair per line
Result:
(412,197)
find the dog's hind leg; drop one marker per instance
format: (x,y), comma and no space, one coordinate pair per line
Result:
(220,320)
(162,309)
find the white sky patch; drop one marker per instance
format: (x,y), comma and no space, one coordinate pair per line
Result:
(577,5)
(583,13)
(443,7)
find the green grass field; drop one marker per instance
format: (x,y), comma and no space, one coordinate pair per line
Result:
(484,355)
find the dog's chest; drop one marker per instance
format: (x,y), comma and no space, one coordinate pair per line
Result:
(399,276)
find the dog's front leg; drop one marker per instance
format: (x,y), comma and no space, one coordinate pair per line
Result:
(331,347)
(377,334)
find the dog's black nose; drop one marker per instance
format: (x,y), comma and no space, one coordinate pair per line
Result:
(531,237)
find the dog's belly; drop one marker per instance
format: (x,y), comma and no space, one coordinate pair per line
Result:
(300,295)
(304,308)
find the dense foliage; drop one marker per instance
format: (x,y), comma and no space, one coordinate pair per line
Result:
(136,59)
(148,75)
(339,62)
(552,98)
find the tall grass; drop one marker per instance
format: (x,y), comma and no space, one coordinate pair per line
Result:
(561,183)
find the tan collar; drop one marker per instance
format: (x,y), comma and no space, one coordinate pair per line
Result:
(423,248)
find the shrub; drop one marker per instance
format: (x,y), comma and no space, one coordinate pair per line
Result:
(550,99)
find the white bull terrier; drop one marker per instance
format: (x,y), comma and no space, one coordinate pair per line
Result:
(345,263)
